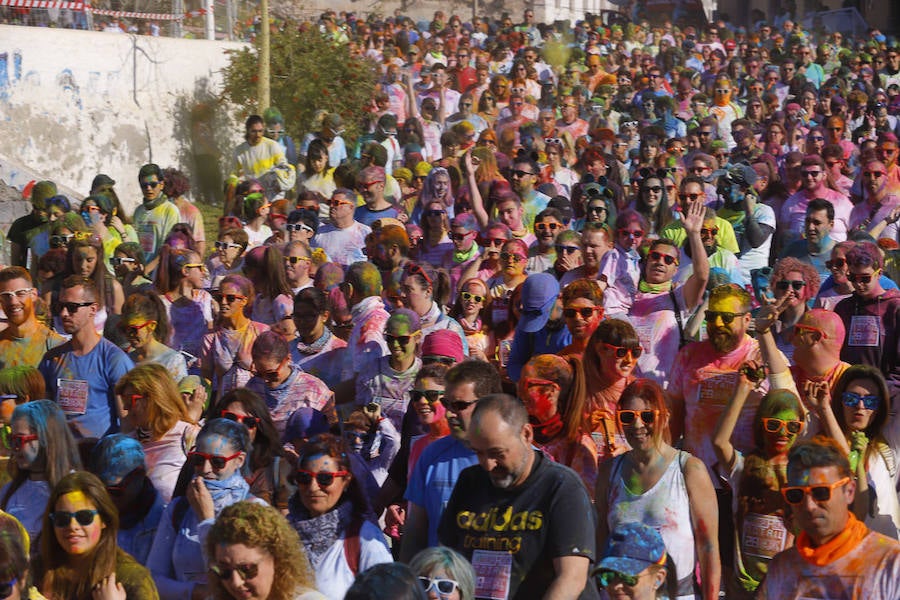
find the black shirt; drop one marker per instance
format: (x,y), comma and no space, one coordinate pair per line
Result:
(549,516)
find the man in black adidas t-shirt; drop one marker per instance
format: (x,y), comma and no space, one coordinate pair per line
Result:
(524,522)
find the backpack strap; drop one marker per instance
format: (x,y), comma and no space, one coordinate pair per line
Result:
(678,320)
(353,545)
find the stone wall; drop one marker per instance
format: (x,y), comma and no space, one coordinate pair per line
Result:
(76,103)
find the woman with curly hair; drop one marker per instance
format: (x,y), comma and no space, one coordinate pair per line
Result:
(253,552)
(80,557)
(795,283)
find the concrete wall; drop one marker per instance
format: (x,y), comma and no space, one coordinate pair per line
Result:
(75,103)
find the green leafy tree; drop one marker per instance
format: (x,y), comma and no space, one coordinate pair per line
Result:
(309,74)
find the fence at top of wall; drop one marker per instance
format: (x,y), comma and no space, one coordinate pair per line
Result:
(78,103)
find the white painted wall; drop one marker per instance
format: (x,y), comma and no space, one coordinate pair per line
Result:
(75,103)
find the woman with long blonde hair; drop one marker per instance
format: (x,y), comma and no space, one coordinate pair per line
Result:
(151,407)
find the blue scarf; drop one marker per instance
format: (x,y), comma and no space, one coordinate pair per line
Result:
(227,492)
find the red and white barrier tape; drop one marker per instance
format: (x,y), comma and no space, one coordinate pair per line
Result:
(81,6)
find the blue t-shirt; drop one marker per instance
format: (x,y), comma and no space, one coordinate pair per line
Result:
(367,216)
(68,376)
(434,476)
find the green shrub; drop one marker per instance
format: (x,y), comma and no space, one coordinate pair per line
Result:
(309,73)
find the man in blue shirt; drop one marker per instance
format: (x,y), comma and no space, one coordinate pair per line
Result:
(440,464)
(81,374)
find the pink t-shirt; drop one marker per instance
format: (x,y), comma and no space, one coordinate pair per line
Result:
(165,457)
(706,380)
(793,213)
(653,317)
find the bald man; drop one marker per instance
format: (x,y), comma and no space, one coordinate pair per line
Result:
(819,336)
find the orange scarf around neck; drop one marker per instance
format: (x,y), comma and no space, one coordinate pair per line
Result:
(830,551)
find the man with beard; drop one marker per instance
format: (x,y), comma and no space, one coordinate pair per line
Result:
(813,185)
(702,382)
(542,254)
(435,473)
(81,374)
(877,214)
(816,248)
(25,340)
(660,308)
(524,522)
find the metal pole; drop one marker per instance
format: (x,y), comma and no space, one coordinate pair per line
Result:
(229,19)
(178,11)
(264,91)
(210,20)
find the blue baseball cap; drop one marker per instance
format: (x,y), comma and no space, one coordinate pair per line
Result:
(539,292)
(631,548)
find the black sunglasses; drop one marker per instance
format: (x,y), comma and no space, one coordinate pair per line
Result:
(727,317)
(61,518)
(784,284)
(666,258)
(457,406)
(586,312)
(71,307)
(432,396)
(400,339)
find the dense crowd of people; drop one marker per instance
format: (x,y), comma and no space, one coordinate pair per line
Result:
(609,316)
